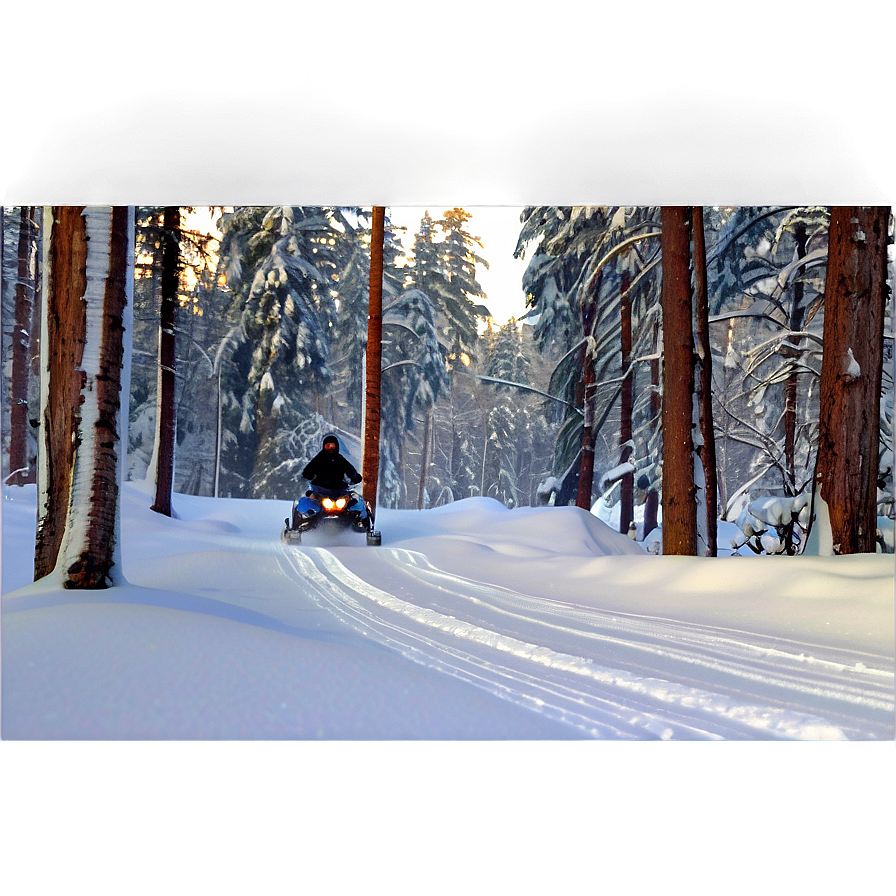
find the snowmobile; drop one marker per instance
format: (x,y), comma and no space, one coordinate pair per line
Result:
(330,508)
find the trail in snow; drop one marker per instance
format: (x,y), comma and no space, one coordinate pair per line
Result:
(610,675)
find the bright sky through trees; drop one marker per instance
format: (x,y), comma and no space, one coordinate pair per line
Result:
(498,227)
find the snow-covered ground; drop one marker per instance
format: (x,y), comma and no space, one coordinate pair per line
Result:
(470,623)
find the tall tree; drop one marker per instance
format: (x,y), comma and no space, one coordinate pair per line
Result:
(679,504)
(280,263)
(444,269)
(706,448)
(791,391)
(626,408)
(86,291)
(371,467)
(166,403)
(21,470)
(589,381)
(851,372)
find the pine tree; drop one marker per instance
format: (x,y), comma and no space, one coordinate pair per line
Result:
(679,505)
(573,284)
(509,420)
(371,468)
(281,266)
(851,372)
(166,400)
(85,295)
(414,376)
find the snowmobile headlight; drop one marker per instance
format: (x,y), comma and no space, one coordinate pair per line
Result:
(329,503)
(341,502)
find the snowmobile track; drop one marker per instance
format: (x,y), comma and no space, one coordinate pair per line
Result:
(606,674)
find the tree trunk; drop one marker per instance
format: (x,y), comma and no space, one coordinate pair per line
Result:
(424,464)
(589,382)
(851,370)
(627,484)
(790,388)
(652,502)
(86,289)
(679,506)
(21,470)
(707,448)
(371,466)
(166,398)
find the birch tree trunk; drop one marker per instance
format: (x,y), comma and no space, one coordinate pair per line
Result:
(166,396)
(20,467)
(86,289)
(679,505)
(589,383)
(371,466)
(851,370)
(706,450)
(627,484)
(652,502)
(424,463)
(791,387)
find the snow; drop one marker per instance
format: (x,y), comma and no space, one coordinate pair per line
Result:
(445,632)
(851,367)
(522,630)
(614,475)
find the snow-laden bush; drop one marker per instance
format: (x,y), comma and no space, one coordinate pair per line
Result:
(774,525)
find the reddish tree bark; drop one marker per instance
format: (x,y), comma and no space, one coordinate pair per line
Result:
(93,566)
(707,450)
(371,465)
(80,466)
(66,323)
(166,398)
(679,506)
(21,470)
(851,370)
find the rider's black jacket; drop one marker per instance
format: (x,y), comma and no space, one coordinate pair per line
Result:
(330,470)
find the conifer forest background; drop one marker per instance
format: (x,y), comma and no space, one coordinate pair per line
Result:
(270,327)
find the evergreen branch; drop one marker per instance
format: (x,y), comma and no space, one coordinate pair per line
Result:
(522,386)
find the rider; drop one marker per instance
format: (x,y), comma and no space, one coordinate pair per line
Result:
(328,469)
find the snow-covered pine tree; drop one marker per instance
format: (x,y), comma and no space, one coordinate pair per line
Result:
(549,281)
(280,265)
(573,284)
(414,376)
(456,288)
(509,425)
(350,327)
(768,338)
(444,270)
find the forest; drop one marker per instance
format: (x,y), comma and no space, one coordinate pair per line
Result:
(675,366)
